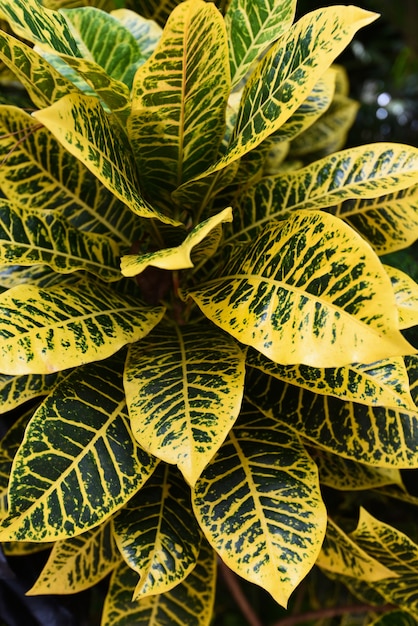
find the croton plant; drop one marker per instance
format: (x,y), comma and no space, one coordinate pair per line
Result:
(200,337)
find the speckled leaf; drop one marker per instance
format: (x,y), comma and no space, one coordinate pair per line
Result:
(78,462)
(172,144)
(307,290)
(184,388)
(406,294)
(51,329)
(44,84)
(252,26)
(259,505)
(15,390)
(38,237)
(396,551)
(340,554)
(190,602)
(384,383)
(366,172)
(38,172)
(81,125)
(157,533)
(78,563)
(376,436)
(176,258)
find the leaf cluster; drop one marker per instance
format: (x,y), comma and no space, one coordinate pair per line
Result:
(199,337)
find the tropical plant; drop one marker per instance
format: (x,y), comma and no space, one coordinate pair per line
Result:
(200,340)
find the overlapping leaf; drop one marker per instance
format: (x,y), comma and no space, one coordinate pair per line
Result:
(406,294)
(80,124)
(78,563)
(307,290)
(353,175)
(157,533)
(184,388)
(171,142)
(190,602)
(377,436)
(384,383)
(78,462)
(146,32)
(400,618)
(51,329)
(37,237)
(340,554)
(175,258)
(15,390)
(252,26)
(259,505)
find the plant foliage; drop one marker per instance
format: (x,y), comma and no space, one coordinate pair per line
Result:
(199,336)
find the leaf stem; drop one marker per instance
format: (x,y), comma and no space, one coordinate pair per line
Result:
(231,581)
(292,620)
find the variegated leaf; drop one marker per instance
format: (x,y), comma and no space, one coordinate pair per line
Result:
(78,563)
(78,462)
(171,143)
(38,275)
(384,383)
(147,33)
(259,505)
(376,436)
(81,125)
(366,172)
(252,26)
(38,237)
(44,84)
(340,554)
(30,152)
(47,330)
(15,390)
(159,11)
(396,551)
(283,79)
(394,618)
(406,294)
(307,290)
(190,602)
(184,387)
(176,258)
(157,533)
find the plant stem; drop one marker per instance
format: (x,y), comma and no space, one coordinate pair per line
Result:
(234,587)
(292,620)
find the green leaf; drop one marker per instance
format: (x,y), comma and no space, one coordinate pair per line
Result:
(78,462)
(175,258)
(259,505)
(340,183)
(78,563)
(341,555)
(81,125)
(190,602)
(252,26)
(157,533)
(15,390)
(146,32)
(377,436)
(37,237)
(406,294)
(44,84)
(184,387)
(383,383)
(307,290)
(47,330)
(39,173)
(171,142)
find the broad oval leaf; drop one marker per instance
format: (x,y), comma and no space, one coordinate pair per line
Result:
(78,563)
(157,533)
(259,505)
(184,386)
(81,125)
(307,290)
(252,26)
(78,462)
(147,33)
(39,237)
(171,142)
(175,258)
(190,602)
(47,330)
(406,294)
